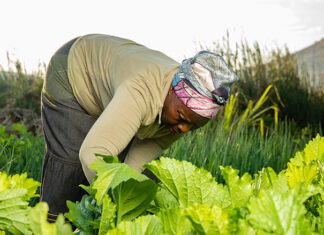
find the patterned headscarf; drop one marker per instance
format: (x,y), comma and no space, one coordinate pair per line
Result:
(203,82)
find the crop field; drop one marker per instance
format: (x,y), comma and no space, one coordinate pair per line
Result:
(256,168)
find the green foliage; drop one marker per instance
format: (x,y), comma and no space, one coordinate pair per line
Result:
(15,192)
(85,215)
(208,220)
(257,68)
(189,201)
(21,152)
(244,149)
(188,184)
(40,226)
(144,225)
(19,89)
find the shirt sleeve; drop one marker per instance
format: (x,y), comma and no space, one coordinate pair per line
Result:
(115,127)
(147,150)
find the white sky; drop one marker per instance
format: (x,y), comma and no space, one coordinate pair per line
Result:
(32,30)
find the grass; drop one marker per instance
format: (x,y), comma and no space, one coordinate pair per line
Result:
(245,149)
(21,152)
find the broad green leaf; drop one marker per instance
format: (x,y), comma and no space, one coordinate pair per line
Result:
(14,212)
(82,215)
(108,159)
(239,188)
(174,221)
(143,225)
(109,175)
(244,228)
(108,215)
(189,184)
(268,178)
(164,199)
(279,212)
(302,169)
(132,197)
(19,181)
(314,150)
(208,220)
(304,175)
(15,191)
(40,226)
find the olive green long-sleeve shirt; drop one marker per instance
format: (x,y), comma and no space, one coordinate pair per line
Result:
(123,84)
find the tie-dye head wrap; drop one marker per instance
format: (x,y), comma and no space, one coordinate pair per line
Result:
(203,82)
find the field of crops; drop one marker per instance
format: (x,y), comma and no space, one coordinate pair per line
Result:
(257,168)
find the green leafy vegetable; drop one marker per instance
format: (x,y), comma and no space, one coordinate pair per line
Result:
(108,215)
(15,191)
(84,214)
(40,226)
(189,184)
(144,225)
(110,175)
(132,197)
(208,220)
(174,221)
(240,189)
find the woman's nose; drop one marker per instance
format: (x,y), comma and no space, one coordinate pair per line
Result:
(184,127)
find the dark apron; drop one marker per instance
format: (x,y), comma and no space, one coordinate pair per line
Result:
(65,125)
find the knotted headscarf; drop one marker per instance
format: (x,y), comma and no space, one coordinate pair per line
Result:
(203,82)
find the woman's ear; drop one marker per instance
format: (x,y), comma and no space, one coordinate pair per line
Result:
(170,90)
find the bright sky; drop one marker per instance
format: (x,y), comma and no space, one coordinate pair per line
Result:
(32,30)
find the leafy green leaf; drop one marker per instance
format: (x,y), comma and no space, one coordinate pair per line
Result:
(302,169)
(109,175)
(267,178)
(208,220)
(164,199)
(15,191)
(174,221)
(279,212)
(108,215)
(132,197)
(143,225)
(19,181)
(82,215)
(40,226)
(240,188)
(189,184)
(108,159)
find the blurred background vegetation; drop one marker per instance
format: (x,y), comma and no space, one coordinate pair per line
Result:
(274,110)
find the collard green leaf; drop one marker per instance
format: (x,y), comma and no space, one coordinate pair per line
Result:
(208,220)
(132,197)
(14,212)
(174,221)
(40,226)
(19,181)
(81,214)
(108,215)
(108,159)
(15,191)
(143,225)
(110,175)
(302,169)
(239,188)
(189,184)
(279,212)
(164,199)
(267,178)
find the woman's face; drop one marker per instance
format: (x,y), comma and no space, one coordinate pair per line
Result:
(177,117)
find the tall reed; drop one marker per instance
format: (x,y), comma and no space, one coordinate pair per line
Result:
(258,68)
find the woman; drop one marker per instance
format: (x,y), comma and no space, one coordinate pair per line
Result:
(108,95)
